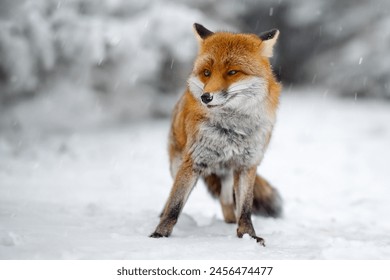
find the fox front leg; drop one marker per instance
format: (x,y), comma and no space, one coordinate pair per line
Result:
(185,180)
(243,188)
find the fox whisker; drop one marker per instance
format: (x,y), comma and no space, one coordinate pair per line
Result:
(248,91)
(240,85)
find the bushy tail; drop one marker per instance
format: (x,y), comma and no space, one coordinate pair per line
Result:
(266,199)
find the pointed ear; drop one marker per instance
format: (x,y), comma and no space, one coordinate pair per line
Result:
(201,32)
(269,39)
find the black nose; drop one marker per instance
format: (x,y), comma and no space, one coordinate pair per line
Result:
(206,97)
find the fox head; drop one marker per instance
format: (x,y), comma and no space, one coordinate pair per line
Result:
(233,70)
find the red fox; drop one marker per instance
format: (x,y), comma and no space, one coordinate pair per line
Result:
(221,128)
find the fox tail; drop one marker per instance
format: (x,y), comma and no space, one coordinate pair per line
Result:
(266,199)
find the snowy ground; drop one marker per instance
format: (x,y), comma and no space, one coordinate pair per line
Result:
(96,194)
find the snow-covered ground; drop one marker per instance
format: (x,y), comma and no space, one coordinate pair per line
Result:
(97,193)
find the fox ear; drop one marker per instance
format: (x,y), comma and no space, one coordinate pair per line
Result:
(269,39)
(201,32)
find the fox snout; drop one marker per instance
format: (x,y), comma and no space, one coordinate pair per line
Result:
(206,97)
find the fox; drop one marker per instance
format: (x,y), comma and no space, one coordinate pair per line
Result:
(221,127)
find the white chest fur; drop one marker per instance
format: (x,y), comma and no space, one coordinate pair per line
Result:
(231,138)
(236,131)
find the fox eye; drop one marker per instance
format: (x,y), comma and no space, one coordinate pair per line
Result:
(232,72)
(207,73)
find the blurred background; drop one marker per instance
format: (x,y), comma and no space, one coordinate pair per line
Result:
(86,90)
(76,63)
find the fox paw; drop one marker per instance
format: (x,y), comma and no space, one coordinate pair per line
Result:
(156,235)
(259,240)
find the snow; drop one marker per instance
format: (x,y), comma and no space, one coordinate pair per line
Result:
(95,193)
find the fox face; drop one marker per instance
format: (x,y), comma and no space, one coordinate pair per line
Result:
(231,70)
